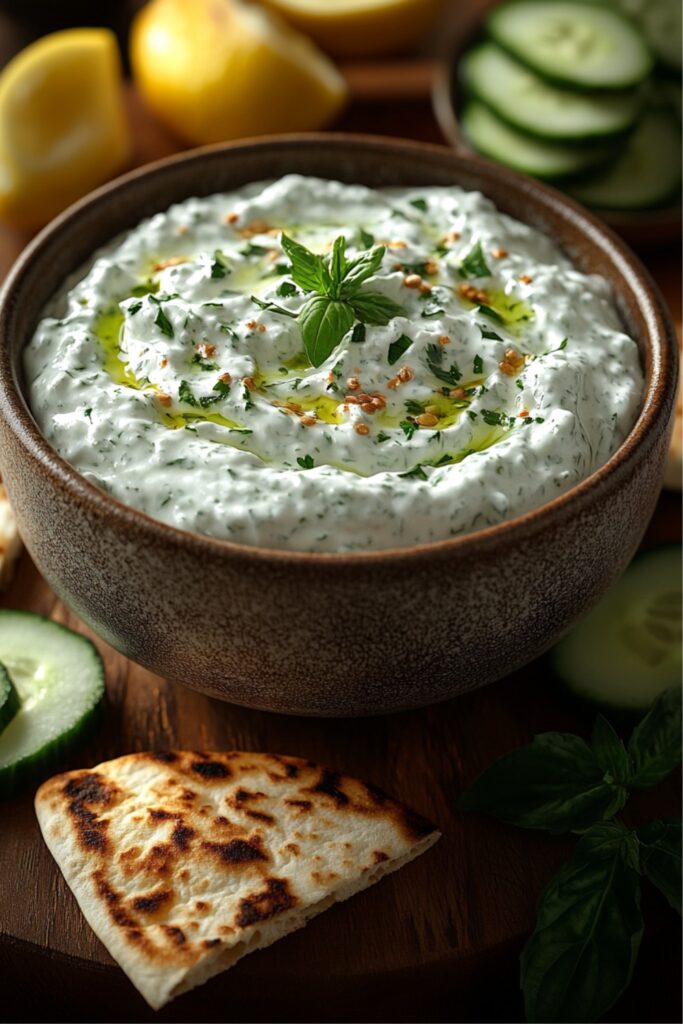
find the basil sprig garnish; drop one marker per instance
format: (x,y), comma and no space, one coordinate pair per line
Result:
(583,950)
(581,955)
(337,303)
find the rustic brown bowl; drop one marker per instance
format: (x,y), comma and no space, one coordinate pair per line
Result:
(326,634)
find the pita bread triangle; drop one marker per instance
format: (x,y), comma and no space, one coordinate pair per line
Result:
(184,862)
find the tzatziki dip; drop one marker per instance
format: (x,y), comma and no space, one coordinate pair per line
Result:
(313,366)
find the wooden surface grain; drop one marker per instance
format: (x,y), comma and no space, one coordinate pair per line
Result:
(436,942)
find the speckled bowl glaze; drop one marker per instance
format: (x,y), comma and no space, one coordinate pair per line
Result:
(326,634)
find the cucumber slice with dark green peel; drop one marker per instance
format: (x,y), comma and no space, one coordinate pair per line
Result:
(59,677)
(628,649)
(532,105)
(9,698)
(579,45)
(661,22)
(646,173)
(499,141)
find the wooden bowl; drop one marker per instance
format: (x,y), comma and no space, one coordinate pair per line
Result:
(640,228)
(329,634)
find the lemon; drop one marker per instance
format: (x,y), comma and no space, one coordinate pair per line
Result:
(219,69)
(62,123)
(360,28)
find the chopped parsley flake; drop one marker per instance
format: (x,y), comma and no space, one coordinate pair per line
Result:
(408,428)
(397,348)
(306,461)
(417,473)
(434,361)
(285,289)
(478,365)
(474,264)
(358,333)
(220,265)
(163,323)
(419,204)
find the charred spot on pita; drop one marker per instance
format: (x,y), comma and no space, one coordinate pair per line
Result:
(377,795)
(260,906)
(164,756)
(85,789)
(237,851)
(379,856)
(175,934)
(329,785)
(113,899)
(267,819)
(159,815)
(414,825)
(150,904)
(210,769)
(303,805)
(181,835)
(211,943)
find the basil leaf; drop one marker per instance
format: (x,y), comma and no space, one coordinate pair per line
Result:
(366,239)
(554,784)
(655,745)
(308,269)
(581,955)
(374,308)
(474,264)
(609,751)
(660,857)
(324,322)
(338,260)
(360,269)
(397,348)
(272,307)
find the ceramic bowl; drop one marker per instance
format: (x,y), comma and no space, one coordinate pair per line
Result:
(328,634)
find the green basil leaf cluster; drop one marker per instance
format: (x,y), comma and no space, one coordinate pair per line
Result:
(337,303)
(581,955)
(562,784)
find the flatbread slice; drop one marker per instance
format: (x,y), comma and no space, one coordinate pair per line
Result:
(10,542)
(184,862)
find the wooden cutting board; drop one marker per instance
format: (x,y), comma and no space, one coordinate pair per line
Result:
(436,942)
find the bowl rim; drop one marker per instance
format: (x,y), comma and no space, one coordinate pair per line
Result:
(660,384)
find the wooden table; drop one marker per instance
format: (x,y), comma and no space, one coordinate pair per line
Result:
(438,941)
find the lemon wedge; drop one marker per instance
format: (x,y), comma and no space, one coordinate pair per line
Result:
(62,123)
(212,70)
(360,28)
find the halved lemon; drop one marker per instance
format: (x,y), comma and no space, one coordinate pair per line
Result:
(219,69)
(62,124)
(360,28)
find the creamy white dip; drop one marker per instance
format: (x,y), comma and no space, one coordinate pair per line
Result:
(505,380)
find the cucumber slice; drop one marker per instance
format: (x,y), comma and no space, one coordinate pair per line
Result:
(646,173)
(9,698)
(497,140)
(628,649)
(660,21)
(60,679)
(573,43)
(526,102)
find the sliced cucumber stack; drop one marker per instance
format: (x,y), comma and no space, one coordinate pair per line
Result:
(526,102)
(540,158)
(59,677)
(647,171)
(561,87)
(573,43)
(628,649)
(9,698)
